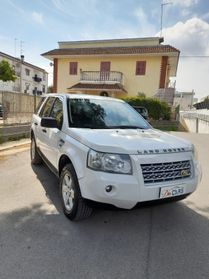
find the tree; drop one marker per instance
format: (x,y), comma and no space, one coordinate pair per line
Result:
(6,72)
(50,89)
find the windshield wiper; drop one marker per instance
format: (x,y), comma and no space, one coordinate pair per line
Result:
(126,127)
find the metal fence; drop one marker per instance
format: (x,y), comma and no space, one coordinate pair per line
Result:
(16,108)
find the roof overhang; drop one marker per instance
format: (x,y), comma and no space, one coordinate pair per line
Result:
(160,50)
(173,64)
(97,87)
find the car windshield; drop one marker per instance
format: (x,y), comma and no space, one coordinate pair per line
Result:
(103,114)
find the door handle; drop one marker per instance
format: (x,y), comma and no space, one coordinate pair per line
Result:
(61,142)
(35,123)
(44,130)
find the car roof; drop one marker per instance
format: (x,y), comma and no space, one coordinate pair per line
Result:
(82,96)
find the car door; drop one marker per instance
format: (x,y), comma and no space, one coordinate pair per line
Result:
(42,132)
(36,120)
(54,135)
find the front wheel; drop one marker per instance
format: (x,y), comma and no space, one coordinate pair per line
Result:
(74,206)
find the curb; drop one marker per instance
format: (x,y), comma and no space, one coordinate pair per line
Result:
(15,146)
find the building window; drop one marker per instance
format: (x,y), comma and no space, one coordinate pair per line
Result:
(27,87)
(73,68)
(140,68)
(27,72)
(44,89)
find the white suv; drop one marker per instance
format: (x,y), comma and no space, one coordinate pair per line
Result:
(102,150)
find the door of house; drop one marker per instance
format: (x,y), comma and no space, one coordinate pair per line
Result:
(105,70)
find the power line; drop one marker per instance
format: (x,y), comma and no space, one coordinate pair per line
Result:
(194,56)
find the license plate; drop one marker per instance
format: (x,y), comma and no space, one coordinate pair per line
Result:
(168,192)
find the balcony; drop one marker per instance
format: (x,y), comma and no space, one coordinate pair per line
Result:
(37,79)
(101,77)
(37,92)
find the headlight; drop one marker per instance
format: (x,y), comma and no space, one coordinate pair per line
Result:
(194,152)
(109,162)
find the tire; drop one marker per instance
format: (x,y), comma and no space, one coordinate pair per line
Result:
(74,206)
(34,155)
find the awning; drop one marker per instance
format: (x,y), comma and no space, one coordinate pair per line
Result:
(97,87)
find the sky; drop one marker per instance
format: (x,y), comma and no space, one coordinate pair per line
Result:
(40,24)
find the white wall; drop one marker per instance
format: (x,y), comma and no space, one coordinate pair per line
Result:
(195,120)
(185,101)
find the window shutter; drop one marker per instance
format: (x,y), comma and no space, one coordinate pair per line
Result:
(140,68)
(105,66)
(73,68)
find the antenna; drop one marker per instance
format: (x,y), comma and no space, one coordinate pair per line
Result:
(21,48)
(161,17)
(15,47)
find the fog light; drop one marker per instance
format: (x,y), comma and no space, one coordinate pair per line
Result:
(108,188)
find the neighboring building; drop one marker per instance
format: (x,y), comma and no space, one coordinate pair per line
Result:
(117,67)
(184,100)
(203,98)
(203,105)
(30,78)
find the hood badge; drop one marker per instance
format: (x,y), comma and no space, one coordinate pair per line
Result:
(162,151)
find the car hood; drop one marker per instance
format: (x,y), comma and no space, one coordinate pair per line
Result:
(129,141)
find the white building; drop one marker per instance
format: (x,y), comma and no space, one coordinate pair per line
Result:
(30,78)
(184,99)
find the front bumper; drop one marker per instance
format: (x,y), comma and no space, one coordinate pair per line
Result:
(128,190)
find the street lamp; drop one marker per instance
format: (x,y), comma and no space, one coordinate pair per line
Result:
(161,18)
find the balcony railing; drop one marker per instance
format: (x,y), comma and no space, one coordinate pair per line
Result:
(101,77)
(37,79)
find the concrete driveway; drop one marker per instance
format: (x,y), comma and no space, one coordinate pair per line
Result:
(158,241)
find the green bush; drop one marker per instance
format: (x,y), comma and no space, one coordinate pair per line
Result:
(157,109)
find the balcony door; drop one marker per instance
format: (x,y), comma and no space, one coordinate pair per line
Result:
(104,70)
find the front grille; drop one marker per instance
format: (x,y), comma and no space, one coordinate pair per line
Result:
(161,172)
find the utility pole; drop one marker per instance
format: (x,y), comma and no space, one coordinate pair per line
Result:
(161,17)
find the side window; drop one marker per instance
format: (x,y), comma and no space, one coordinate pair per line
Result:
(39,105)
(57,112)
(46,109)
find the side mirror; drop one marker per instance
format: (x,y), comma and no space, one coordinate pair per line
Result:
(49,122)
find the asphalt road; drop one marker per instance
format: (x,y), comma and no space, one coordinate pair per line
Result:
(158,241)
